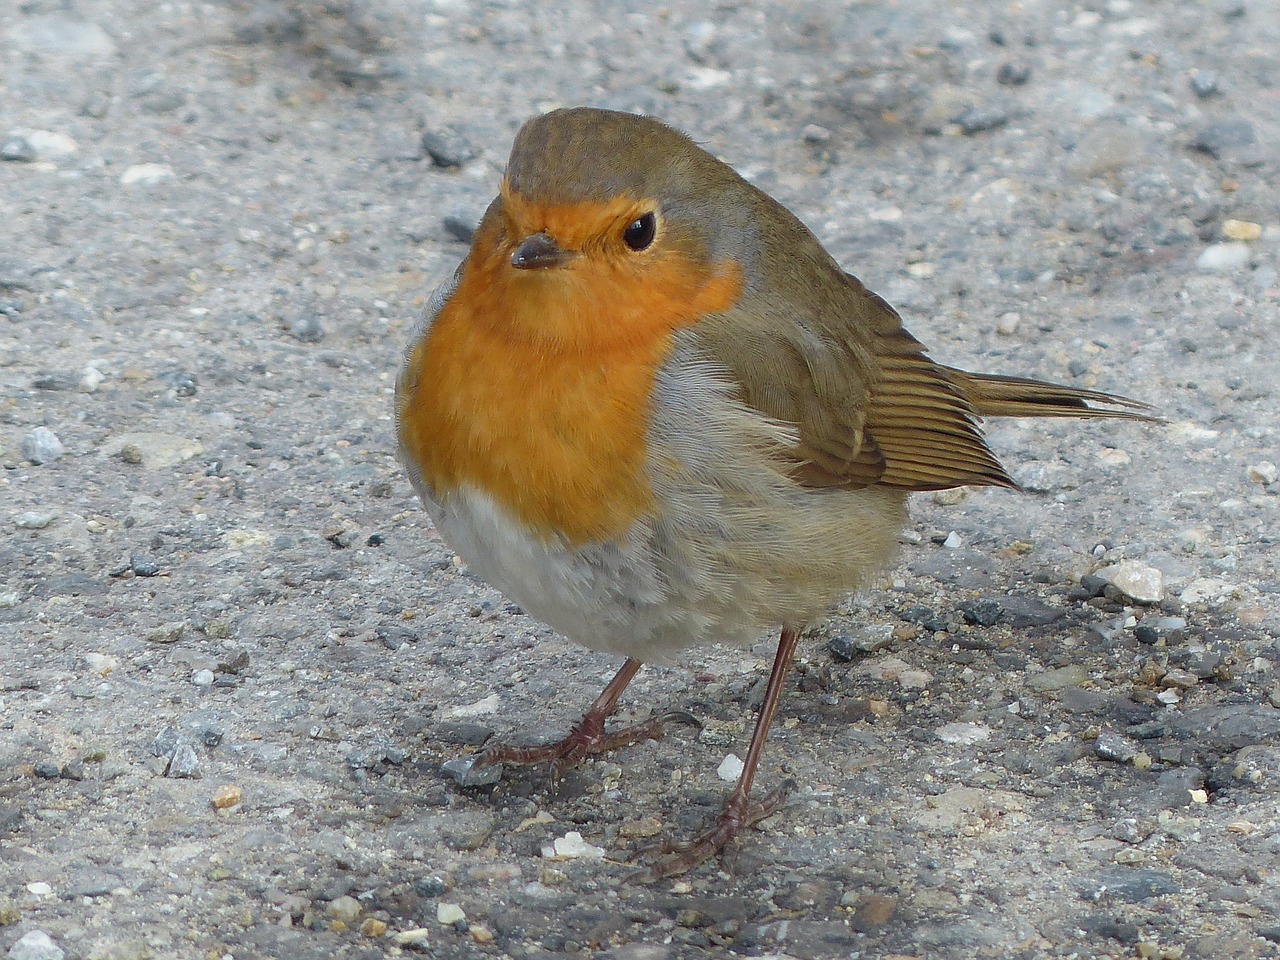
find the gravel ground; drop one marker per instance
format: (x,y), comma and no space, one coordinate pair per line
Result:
(234,654)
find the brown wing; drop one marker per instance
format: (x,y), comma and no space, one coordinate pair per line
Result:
(871,407)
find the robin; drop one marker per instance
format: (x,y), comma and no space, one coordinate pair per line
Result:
(653,411)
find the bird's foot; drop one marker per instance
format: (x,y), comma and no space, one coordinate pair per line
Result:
(587,738)
(669,859)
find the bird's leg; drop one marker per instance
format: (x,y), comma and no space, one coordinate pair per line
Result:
(587,735)
(739,812)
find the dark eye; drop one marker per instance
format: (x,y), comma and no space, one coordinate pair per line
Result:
(639,233)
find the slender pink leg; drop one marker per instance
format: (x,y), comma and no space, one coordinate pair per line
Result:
(587,736)
(739,812)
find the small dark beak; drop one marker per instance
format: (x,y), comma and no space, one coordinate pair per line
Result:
(538,251)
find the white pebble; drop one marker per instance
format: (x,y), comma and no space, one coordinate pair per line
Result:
(145,173)
(450,913)
(412,938)
(963,734)
(91,378)
(101,663)
(730,768)
(49,144)
(36,945)
(953,541)
(1264,472)
(202,678)
(39,889)
(33,520)
(1008,323)
(42,445)
(572,847)
(1135,580)
(1219,257)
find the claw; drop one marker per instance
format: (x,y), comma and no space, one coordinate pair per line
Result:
(680,716)
(669,859)
(584,740)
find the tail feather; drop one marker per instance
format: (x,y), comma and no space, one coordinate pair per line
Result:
(993,395)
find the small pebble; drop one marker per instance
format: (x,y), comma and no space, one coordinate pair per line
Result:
(446,148)
(1221,257)
(145,173)
(202,678)
(164,742)
(146,567)
(953,541)
(1241,230)
(963,734)
(1263,472)
(42,445)
(430,887)
(36,520)
(980,119)
(1136,581)
(36,945)
(373,927)
(17,149)
(306,328)
(1007,323)
(450,914)
(50,145)
(813,134)
(225,797)
(1204,84)
(184,764)
(895,669)
(982,613)
(100,663)
(1013,73)
(1112,746)
(868,639)
(343,908)
(417,937)
(730,768)
(1072,675)
(572,847)
(180,382)
(466,774)
(91,378)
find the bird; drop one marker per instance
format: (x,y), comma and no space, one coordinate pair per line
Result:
(652,410)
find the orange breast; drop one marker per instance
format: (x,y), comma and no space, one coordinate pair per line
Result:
(535,386)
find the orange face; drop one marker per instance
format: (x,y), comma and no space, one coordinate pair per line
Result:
(534,385)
